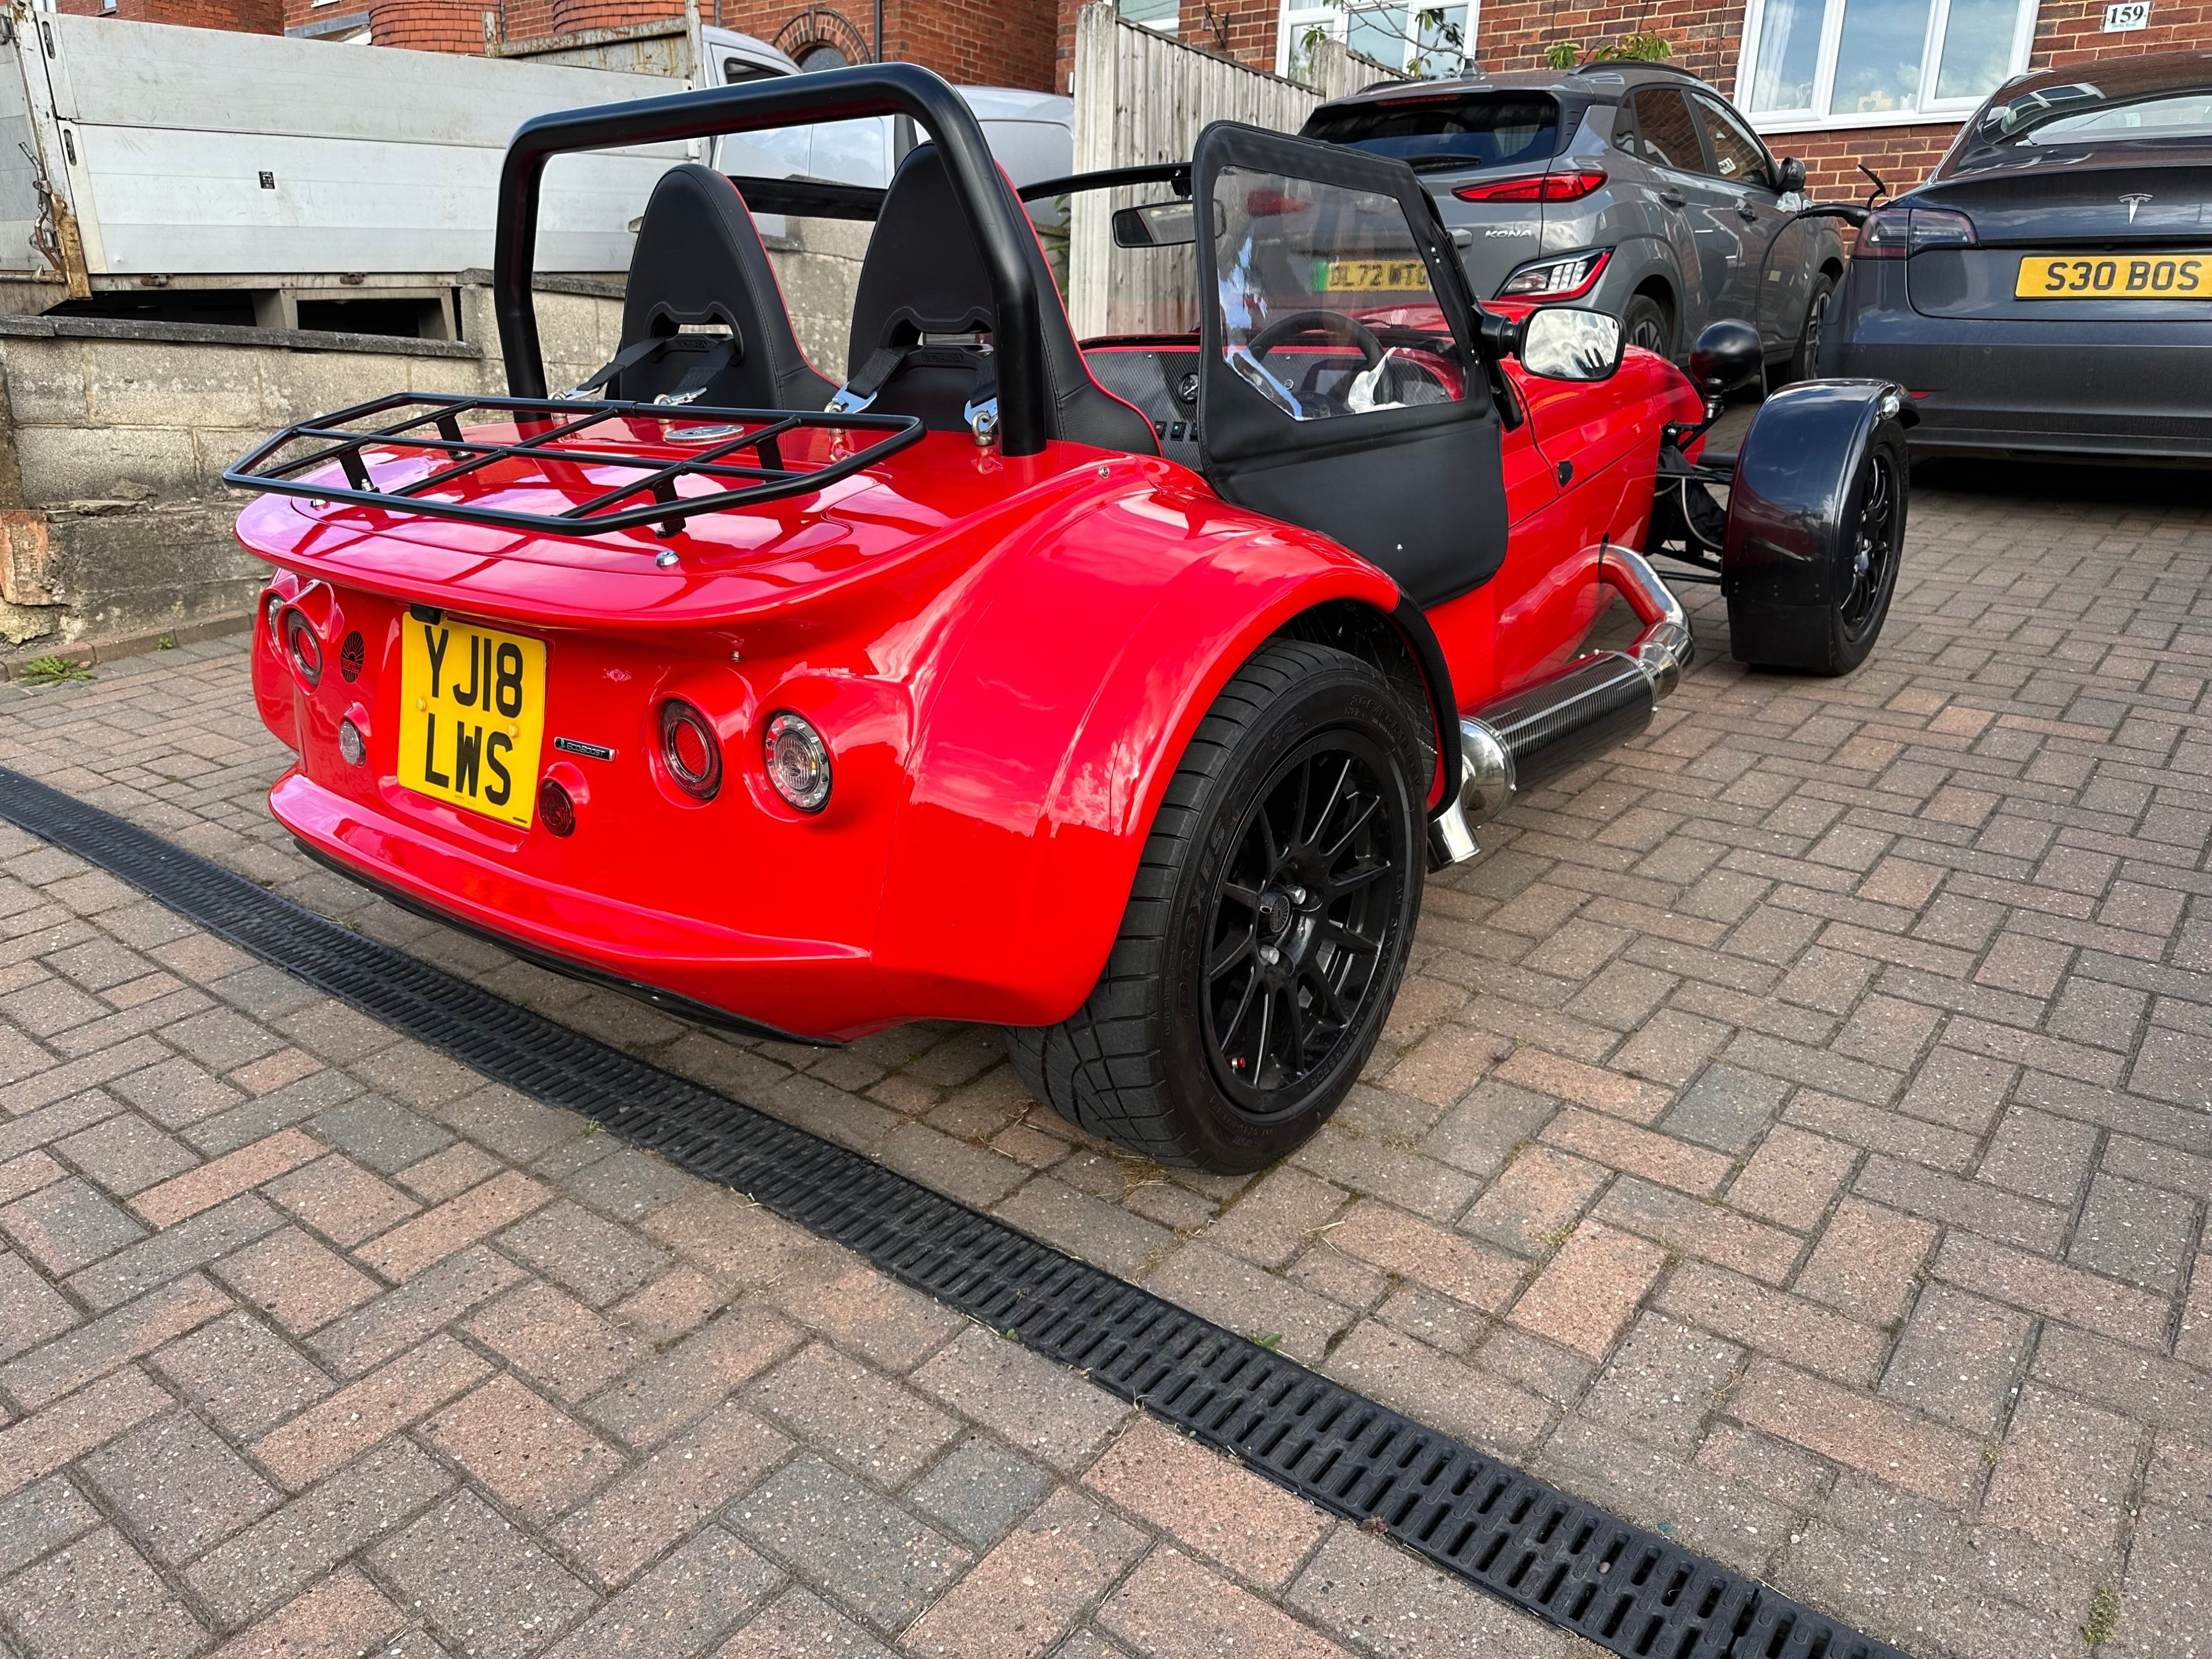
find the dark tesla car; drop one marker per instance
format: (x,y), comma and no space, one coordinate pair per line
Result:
(2048,290)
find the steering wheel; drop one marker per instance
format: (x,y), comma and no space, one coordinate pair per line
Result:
(1347,331)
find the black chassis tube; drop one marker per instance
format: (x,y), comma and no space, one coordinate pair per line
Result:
(985,201)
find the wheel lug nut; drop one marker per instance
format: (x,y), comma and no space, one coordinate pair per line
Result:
(1297,895)
(1270,955)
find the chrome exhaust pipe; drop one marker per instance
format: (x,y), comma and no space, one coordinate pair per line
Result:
(1543,730)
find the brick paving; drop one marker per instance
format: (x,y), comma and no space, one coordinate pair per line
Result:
(1796,1134)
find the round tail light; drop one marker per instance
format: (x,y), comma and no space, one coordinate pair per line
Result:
(797,761)
(306,651)
(351,744)
(556,811)
(690,750)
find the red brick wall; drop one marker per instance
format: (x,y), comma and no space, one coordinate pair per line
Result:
(574,16)
(424,24)
(246,17)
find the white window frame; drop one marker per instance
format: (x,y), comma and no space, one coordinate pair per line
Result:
(1170,25)
(1296,16)
(1819,119)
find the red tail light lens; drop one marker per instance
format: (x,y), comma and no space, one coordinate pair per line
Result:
(690,750)
(1895,233)
(1544,187)
(556,811)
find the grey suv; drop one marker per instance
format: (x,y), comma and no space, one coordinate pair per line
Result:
(1631,187)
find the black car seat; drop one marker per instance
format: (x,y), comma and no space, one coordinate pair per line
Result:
(923,305)
(704,320)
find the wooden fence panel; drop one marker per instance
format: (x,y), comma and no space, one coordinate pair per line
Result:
(1142,97)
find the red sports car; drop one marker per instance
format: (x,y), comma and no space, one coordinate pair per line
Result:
(967,688)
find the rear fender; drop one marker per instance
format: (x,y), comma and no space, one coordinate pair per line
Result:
(1049,724)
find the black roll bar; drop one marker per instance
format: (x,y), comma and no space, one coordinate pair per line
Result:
(994,216)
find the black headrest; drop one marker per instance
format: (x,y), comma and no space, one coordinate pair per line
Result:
(699,260)
(925,274)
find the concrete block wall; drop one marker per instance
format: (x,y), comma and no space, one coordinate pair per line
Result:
(117,434)
(114,521)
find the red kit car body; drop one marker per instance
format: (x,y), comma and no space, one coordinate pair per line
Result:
(1008,655)
(992,691)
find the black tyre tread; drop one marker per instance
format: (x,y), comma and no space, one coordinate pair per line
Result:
(1101,1069)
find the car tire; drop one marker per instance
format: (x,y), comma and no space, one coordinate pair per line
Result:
(1645,321)
(1861,580)
(1805,362)
(1267,928)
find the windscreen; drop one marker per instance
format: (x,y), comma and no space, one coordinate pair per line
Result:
(1474,129)
(1325,304)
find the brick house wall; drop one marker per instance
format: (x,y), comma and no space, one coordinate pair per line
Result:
(1708,39)
(967,41)
(246,17)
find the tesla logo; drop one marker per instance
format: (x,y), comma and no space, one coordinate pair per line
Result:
(2134,199)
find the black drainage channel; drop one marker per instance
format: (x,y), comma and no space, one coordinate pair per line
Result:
(1628,1590)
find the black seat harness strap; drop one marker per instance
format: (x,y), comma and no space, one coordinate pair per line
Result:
(885,362)
(726,351)
(857,394)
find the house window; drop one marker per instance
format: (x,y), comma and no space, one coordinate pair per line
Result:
(1162,16)
(1876,63)
(1434,41)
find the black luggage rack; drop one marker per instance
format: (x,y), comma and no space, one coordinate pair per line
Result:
(433,426)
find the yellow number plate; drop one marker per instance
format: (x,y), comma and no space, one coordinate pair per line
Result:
(2115,277)
(471,717)
(1374,275)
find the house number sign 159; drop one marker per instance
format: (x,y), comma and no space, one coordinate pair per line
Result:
(2128,15)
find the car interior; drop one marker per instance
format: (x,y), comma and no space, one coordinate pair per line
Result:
(705,322)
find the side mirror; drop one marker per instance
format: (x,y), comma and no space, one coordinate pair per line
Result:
(1728,354)
(1790,176)
(1566,343)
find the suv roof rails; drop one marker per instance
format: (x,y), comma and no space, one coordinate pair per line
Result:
(1615,65)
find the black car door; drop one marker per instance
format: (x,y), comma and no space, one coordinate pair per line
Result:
(1337,375)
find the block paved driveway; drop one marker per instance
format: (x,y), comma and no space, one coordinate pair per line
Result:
(1795,1135)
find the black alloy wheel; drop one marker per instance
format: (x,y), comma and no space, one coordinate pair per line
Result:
(1872,549)
(1869,549)
(1302,913)
(1267,928)
(1646,322)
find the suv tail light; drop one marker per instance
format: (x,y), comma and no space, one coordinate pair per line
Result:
(1544,187)
(1894,233)
(1569,279)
